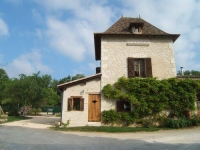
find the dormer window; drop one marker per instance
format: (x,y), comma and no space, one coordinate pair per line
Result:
(136,27)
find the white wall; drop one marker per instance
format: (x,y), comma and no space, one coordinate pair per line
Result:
(114,54)
(79,118)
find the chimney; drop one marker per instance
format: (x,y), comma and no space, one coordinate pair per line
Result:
(182,72)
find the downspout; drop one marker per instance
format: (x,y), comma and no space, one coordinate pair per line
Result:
(61,110)
(61,107)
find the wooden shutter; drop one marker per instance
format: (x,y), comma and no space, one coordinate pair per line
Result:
(148,67)
(70,104)
(81,104)
(120,106)
(98,70)
(131,73)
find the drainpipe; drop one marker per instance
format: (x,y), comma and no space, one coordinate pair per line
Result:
(61,110)
(61,107)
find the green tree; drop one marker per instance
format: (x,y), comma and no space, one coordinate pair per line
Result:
(78,76)
(66,79)
(4,80)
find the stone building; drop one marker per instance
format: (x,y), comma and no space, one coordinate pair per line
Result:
(131,47)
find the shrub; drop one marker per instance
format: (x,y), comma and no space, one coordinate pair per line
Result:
(39,110)
(195,120)
(161,119)
(13,112)
(33,111)
(178,123)
(147,123)
(150,96)
(125,117)
(110,116)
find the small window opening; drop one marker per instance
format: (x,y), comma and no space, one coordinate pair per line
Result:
(139,68)
(136,29)
(123,106)
(76,104)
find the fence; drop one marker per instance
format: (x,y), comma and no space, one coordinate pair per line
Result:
(49,109)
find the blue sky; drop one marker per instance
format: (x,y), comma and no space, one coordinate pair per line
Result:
(55,37)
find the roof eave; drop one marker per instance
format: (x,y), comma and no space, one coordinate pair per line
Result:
(63,86)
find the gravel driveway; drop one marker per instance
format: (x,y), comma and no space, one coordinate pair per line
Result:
(25,137)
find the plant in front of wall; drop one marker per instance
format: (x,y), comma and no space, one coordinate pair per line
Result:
(110,116)
(66,124)
(149,96)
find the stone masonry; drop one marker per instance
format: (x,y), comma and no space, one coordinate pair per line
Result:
(116,50)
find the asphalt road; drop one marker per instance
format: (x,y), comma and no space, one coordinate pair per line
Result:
(26,138)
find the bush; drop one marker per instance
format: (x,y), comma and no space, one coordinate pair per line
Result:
(39,110)
(125,117)
(110,116)
(195,120)
(150,96)
(178,123)
(13,112)
(33,111)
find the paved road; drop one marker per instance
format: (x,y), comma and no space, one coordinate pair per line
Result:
(26,138)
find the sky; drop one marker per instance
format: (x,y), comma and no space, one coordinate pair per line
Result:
(56,37)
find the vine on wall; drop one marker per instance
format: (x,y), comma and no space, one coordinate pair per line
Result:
(150,96)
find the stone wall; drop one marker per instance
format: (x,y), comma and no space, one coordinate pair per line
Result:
(116,50)
(79,118)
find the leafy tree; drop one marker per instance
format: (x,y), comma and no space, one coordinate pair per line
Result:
(51,97)
(4,79)
(189,73)
(195,73)
(66,79)
(35,90)
(78,76)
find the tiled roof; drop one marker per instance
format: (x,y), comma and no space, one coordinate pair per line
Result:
(122,27)
(78,81)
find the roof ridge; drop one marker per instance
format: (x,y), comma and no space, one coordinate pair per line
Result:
(121,26)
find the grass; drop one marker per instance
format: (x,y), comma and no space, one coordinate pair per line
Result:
(109,129)
(16,118)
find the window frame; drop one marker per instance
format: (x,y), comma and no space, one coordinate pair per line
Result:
(147,67)
(119,107)
(71,103)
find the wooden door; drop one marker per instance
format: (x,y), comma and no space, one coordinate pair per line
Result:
(94,107)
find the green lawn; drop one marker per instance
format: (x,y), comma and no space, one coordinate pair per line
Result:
(109,129)
(16,118)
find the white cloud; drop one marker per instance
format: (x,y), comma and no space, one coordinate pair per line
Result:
(73,36)
(173,17)
(71,24)
(27,64)
(3,28)
(63,38)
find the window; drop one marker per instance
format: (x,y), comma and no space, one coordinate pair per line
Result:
(136,27)
(123,106)
(139,67)
(75,103)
